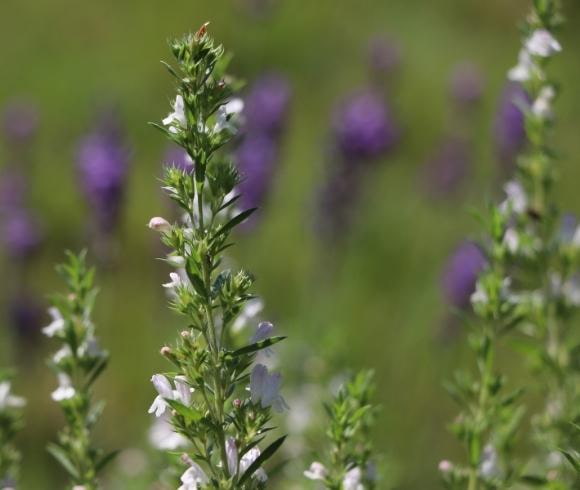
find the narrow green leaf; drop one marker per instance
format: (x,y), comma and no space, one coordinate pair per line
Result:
(264,456)
(257,346)
(60,455)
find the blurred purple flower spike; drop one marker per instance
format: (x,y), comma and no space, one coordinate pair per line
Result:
(21,234)
(26,316)
(384,56)
(103,160)
(461,273)
(509,130)
(448,169)
(19,121)
(267,104)
(466,84)
(363,127)
(177,157)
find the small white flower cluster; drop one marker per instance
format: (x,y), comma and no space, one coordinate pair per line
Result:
(541,44)
(7,399)
(227,117)
(353,479)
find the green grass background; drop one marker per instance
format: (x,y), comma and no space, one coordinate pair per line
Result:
(373,300)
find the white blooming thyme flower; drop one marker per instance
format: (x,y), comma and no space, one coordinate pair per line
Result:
(177,117)
(57,325)
(65,390)
(226,115)
(175,281)
(159,224)
(524,70)
(542,106)
(352,480)
(265,388)
(317,471)
(511,240)
(489,465)
(7,399)
(516,200)
(181,393)
(163,437)
(542,43)
(248,459)
(193,478)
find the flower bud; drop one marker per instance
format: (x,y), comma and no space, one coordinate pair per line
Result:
(159,224)
(445,466)
(165,351)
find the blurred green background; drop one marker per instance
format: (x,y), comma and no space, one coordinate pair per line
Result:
(371,300)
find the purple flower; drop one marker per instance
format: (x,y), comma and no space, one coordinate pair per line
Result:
(19,121)
(13,190)
(461,273)
(448,168)
(21,234)
(177,157)
(26,316)
(363,128)
(384,56)
(266,105)
(509,130)
(466,84)
(256,157)
(103,166)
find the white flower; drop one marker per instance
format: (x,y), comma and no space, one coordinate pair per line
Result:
(542,106)
(61,354)
(163,437)
(193,477)
(182,393)
(159,224)
(250,310)
(489,465)
(57,325)
(479,296)
(263,332)
(352,480)
(232,455)
(176,261)
(511,240)
(7,399)
(317,471)
(226,115)
(516,200)
(542,43)
(65,390)
(264,388)
(177,116)
(90,348)
(525,68)
(175,281)
(246,462)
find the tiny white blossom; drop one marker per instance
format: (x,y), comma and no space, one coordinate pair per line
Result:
(65,390)
(516,200)
(160,224)
(352,480)
(193,477)
(163,437)
(182,393)
(175,281)
(264,388)
(542,43)
(61,354)
(479,296)
(246,462)
(489,465)
(177,116)
(525,68)
(7,399)
(232,455)
(183,390)
(542,106)
(57,325)
(317,471)
(226,114)
(511,240)
(249,311)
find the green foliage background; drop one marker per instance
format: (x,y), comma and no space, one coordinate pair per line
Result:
(374,299)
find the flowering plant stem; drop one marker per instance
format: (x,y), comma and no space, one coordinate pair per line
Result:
(207,395)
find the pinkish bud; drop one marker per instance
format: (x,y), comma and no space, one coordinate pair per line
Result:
(445,466)
(159,224)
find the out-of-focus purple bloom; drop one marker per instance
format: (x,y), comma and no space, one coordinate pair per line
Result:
(19,121)
(267,104)
(448,169)
(13,189)
(363,127)
(509,130)
(461,273)
(26,316)
(177,157)
(256,157)
(21,234)
(384,56)
(466,84)
(103,165)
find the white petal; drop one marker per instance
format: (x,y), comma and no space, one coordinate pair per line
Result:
(162,385)
(317,471)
